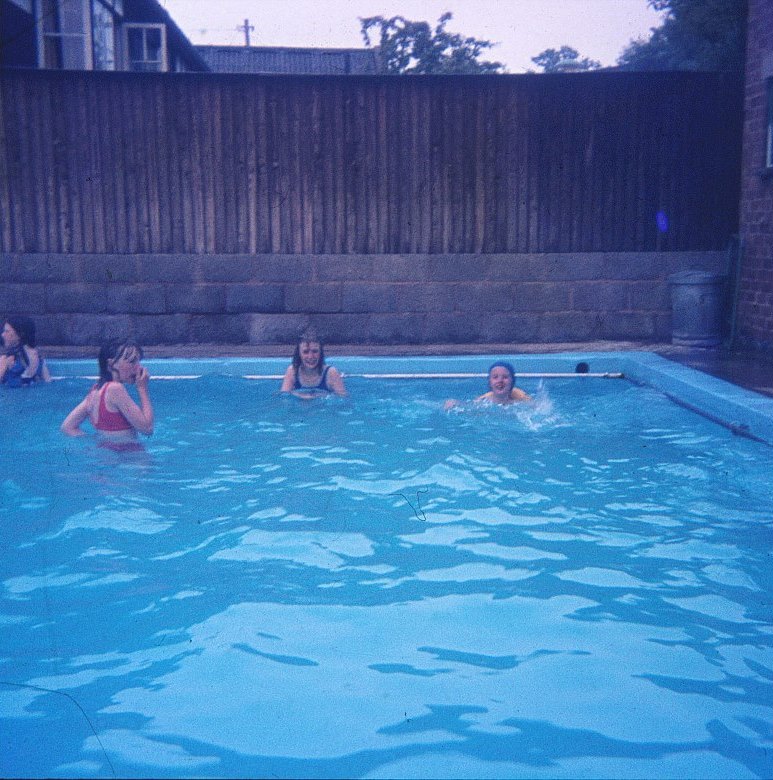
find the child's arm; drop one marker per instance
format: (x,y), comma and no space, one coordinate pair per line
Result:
(335,381)
(141,417)
(33,361)
(73,421)
(288,382)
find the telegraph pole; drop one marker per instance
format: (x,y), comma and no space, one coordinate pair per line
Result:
(246,27)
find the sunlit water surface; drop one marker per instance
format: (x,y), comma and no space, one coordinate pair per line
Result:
(375,587)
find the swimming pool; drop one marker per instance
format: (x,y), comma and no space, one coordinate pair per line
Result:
(374,587)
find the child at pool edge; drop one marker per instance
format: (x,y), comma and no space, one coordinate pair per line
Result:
(308,376)
(21,363)
(502,389)
(108,405)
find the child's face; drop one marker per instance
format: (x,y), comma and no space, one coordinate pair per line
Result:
(310,352)
(10,336)
(126,366)
(500,382)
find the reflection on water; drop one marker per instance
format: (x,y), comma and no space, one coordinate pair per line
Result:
(375,587)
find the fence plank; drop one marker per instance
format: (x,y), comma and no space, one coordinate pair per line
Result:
(201,163)
(6,234)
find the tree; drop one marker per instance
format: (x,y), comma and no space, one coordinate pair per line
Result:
(565,58)
(694,35)
(408,47)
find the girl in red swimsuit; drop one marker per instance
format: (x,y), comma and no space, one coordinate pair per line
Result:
(108,405)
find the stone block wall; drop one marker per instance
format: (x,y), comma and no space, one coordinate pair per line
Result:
(353,299)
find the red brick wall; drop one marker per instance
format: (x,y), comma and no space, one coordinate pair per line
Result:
(755,301)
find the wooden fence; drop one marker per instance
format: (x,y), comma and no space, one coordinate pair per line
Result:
(207,163)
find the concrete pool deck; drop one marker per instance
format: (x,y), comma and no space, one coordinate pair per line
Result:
(750,370)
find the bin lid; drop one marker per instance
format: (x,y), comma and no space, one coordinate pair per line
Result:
(696,277)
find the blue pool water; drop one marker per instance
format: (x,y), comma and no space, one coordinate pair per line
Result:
(373,587)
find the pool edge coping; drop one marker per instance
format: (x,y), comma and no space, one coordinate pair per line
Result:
(744,412)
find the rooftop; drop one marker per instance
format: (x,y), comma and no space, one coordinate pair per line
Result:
(289,60)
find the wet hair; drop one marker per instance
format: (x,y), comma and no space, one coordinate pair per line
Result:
(309,337)
(581,368)
(25,329)
(111,351)
(507,366)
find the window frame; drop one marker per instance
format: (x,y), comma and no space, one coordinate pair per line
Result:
(46,38)
(145,26)
(107,7)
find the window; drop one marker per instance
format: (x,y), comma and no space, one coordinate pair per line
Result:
(146,47)
(63,34)
(103,36)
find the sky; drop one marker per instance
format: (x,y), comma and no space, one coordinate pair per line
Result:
(598,29)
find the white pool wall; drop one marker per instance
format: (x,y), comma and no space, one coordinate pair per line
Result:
(741,410)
